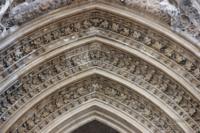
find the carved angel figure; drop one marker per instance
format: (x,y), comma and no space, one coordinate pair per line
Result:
(149,75)
(82,91)
(169,52)
(147,40)
(110,91)
(180,59)
(158,45)
(77,26)
(147,112)
(189,65)
(8,61)
(197,72)
(125,31)
(96,21)
(104,24)
(18,54)
(47,37)
(123,97)
(1,67)
(115,27)
(164,85)
(96,86)
(178,96)
(41,77)
(67,30)
(56,34)
(59,102)
(87,24)
(29,124)
(136,35)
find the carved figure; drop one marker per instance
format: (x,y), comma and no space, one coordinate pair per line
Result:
(104,24)
(136,35)
(115,27)
(147,40)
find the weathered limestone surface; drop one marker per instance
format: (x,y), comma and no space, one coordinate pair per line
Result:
(97,55)
(183,16)
(120,54)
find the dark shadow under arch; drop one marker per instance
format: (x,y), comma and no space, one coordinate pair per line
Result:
(95,127)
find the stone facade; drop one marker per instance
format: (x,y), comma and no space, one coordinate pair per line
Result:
(98,54)
(95,88)
(182,16)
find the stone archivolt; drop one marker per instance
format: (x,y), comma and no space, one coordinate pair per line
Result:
(182,15)
(69,97)
(33,82)
(166,51)
(20,12)
(96,55)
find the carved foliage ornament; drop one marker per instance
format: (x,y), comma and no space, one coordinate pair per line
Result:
(97,55)
(21,52)
(110,92)
(18,12)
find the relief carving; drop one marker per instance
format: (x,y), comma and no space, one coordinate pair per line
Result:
(163,47)
(108,58)
(54,105)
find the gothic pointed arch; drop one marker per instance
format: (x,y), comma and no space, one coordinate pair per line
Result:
(51,104)
(111,40)
(101,56)
(96,111)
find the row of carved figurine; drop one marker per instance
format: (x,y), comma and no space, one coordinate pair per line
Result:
(10,57)
(99,87)
(39,77)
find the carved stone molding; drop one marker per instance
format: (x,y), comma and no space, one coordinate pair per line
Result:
(19,12)
(100,88)
(171,75)
(94,110)
(140,37)
(110,59)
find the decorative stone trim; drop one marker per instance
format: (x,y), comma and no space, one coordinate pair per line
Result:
(20,12)
(110,59)
(158,46)
(100,88)
(95,110)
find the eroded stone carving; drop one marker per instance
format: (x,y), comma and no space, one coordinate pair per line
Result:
(19,12)
(108,58)
(28,46)
(182,16)
(95,88)
(186,18)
